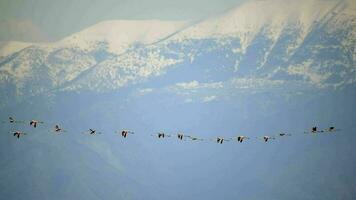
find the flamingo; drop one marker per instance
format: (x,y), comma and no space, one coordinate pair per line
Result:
(34,123)
(195,138)
(12,120)
(18,134)
(332,129)
(220,140)
(241,138)
(161,135)
(92,132)
(180,136)
(58,129)
(266,138)
(124,133)
(284,134)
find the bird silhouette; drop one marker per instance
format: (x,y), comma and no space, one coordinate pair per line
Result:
(313,130)
(34,123)
(92,132)
(284,134)
(220,140)
(161,135)
(332,129)
(180,136)
(12,120)
(194,138)
(124,133)
(266,138)
(242,138)
(58,129)
(18,134)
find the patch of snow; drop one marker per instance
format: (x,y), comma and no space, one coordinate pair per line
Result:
(11,47)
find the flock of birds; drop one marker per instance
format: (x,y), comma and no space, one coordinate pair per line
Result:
(181,136)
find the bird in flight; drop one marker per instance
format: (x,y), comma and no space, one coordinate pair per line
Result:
(12,120)
(124,133)
(266,138)
(92,132)
(161,135)
(34,123)
(220,140)
(331,129)
(58,129)
(242,138)
(194,138)
(18,134)
(284,134)
(180,136)
(315,130)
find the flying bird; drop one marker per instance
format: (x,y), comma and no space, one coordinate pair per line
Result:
(284,134)
(161,135)
(58,129)
(18,134)
(12,120)
(331,129)
(195,138)
(242,138)
(266,138)
(124,133)
(92,132)
(34,123)
(180,136)
(314,129)
(220,140)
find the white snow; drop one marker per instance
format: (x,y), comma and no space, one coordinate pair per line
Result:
(121,34)
(11,47)
(249,19)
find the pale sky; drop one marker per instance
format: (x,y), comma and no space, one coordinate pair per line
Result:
(44,20)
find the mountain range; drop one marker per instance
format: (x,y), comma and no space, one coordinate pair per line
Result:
(304,44)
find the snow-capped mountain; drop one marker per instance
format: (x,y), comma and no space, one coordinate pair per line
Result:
(273,42)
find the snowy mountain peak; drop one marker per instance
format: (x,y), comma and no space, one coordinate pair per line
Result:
(120,34)
(249,19)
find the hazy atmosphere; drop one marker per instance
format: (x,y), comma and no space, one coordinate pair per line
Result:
(157,99)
